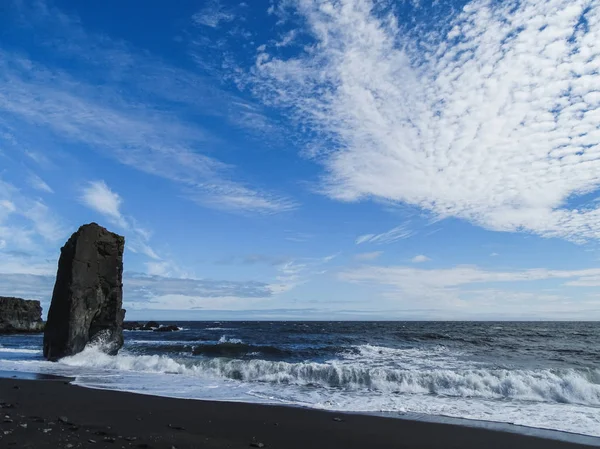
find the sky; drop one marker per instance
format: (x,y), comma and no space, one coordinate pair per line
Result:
(308,159)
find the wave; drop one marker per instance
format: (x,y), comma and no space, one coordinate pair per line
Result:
(21,350)
(234,347)
(572,386)
(231,350)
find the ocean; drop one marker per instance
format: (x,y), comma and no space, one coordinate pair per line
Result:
(538,374)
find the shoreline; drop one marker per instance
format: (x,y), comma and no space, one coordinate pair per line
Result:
(497,426)
(157,421)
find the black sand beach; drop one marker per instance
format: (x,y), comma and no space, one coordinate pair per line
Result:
(54,414)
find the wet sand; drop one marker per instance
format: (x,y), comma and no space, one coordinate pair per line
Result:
(54,414)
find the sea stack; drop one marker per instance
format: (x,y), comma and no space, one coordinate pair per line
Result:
(20,315)
(88,295)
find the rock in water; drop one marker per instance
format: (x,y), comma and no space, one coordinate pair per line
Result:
(88,294)
(20,315)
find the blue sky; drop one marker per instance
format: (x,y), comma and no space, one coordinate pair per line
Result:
(305,159)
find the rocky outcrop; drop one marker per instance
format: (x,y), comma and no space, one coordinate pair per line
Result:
(132,325)
(88,294)
(20,315)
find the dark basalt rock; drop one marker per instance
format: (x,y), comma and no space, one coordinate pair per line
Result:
(152,325)
(88,294)
(20,315)
(132,326)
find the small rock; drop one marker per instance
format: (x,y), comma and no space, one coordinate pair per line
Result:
(74,428)
(109,439)
(101,433)
(69,446)
(8,421)
(37,419)
(130,438)
(46,430)
(6,416)
(6,405)
(256,444)
(24,426)
(16,387)
(338,419)
(91,441)
(7,432)
(176,427)
(63,419)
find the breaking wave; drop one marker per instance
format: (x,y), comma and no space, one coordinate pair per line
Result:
(20,350)
(570,386)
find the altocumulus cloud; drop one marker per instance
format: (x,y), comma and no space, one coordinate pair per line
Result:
(488,114)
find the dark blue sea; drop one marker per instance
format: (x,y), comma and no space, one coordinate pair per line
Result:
(537,374)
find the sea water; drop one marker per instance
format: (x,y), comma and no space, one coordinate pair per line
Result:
(538,374)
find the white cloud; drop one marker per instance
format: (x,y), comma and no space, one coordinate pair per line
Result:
(368,256)
(494,255)
(286,39)
(149,292)
(43,220)
(6,207)
(160,292)
(38,183)
(585,281)
(429,280)
(98,196)
(15,263)
(295,272)
(490,114)
(40,222)
(28,286)
(470,292)
(213,14)
(157,268)
(420,258)
(398,233)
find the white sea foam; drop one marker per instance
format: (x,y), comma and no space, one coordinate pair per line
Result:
(226,339)
(158,342)
(20,350)
(438,356)
(567,386)
(566,399)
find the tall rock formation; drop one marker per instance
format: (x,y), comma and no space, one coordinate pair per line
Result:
(20,315)
(88,294)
